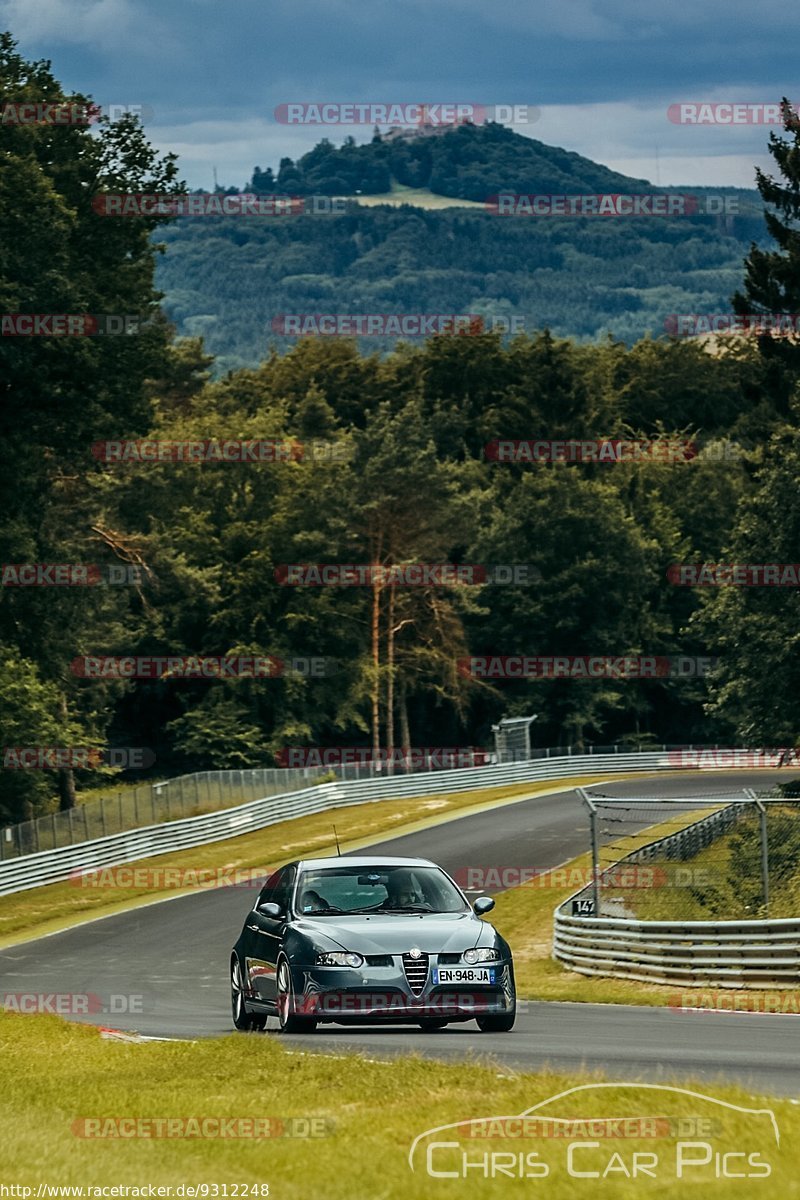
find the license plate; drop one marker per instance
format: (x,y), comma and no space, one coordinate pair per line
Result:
(463,975)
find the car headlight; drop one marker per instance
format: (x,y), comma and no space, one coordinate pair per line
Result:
(339,958)
(476,955)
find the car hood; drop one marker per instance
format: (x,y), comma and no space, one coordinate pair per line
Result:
(447,932)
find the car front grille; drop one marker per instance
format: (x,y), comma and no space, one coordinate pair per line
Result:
(416,970)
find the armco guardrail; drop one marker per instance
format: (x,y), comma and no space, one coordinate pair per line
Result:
(744,954)
(151,802)
(154,801)
(50,866)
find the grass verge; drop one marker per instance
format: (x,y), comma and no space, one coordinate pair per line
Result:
(62,1082)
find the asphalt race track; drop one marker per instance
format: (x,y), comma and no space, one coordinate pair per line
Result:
(169,961)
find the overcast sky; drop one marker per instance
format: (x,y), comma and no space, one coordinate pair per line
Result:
(602,73)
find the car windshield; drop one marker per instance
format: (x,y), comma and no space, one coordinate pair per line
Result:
(391,889)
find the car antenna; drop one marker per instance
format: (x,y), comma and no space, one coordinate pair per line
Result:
(335,834)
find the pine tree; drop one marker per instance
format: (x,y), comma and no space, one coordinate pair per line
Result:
(772,283)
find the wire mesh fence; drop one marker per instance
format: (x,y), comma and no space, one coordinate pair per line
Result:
(151,803)
(131,807)
(735,856)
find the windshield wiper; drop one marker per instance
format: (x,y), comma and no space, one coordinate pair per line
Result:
(406,908)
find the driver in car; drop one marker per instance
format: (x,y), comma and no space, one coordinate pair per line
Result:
(312,901)
(401,892)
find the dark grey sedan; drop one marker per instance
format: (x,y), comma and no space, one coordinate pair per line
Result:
(370,941)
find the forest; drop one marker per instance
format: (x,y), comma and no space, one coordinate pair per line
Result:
(231,281)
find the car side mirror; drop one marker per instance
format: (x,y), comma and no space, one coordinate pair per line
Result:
(270,909)
(483,905)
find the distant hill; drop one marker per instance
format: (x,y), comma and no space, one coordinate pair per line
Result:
(421,240)
(469,162)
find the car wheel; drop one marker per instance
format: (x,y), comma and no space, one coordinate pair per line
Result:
(289,1021)
(497,1022)
(242,1019)
(431,1024)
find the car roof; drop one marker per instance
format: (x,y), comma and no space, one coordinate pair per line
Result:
(361,860)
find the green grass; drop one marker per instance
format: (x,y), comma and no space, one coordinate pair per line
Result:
(56,1074)
(723,881)
(419,197)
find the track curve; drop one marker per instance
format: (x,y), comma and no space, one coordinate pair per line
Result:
(168,963)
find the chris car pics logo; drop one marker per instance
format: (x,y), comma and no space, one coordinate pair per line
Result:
(607,1131)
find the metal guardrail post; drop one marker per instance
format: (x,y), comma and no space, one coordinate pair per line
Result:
(762,823)
(762,813)
(592,807)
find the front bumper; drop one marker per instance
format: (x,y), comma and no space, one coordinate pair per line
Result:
(382,995)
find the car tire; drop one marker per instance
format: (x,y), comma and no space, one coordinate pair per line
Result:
(431,1025)
(289,1022)
(243,1019)
(497,1022)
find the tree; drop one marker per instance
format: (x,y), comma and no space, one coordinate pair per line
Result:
(58,395)
(756,630)
(772,281)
